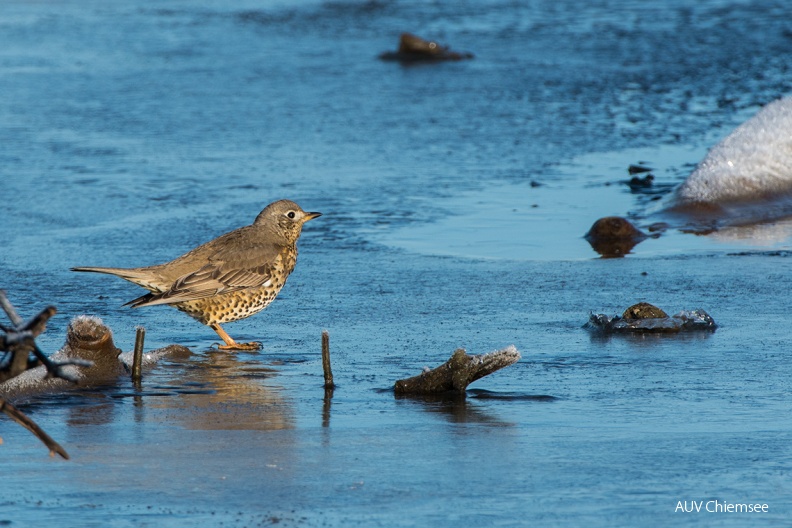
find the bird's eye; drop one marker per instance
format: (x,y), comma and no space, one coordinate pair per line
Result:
(291,214)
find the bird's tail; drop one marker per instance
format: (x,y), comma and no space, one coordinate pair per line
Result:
(124,273)
(139,276)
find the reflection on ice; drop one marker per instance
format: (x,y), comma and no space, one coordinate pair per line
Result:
(229,394)
(151,358)
(454,407)
(761,235)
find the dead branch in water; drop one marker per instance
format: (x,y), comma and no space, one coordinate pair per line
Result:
(458,372)
(21,354)
(20,418)
(19,342)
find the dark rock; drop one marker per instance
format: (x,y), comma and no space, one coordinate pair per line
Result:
(638,169)
(614,236)
(415,49)
(637,183)
(643,310)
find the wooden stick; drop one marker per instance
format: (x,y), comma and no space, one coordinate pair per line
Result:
(18,342)
(9,309)
(17,359)
(20,418)
(38,324)
(35,326)
(137,356)
(328,372)
(458,372)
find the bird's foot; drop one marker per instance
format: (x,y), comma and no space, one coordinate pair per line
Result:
(253,345)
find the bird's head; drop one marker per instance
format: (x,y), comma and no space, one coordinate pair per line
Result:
(285,218)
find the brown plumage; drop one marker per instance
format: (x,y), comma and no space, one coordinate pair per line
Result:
(229,278)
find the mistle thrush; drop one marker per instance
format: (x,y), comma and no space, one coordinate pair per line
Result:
(229,278)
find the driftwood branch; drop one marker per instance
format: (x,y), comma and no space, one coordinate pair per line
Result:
(458,372)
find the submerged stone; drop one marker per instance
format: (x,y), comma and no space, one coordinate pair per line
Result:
(415,49)
(614,236)
(646,318)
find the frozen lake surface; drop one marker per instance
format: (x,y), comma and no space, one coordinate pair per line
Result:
(455,197)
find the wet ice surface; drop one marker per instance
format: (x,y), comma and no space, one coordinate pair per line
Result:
(526,220)
(133,132)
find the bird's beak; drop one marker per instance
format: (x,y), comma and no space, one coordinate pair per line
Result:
(311,216)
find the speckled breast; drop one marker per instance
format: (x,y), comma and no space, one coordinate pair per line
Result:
(232,306)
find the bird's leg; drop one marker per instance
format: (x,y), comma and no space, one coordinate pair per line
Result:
(230,344)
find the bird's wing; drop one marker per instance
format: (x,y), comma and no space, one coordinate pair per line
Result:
(225,272)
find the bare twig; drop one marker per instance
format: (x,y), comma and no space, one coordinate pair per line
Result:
(20,418)
(458,372)
(8,308)
(38,324)
(18,343)
(16,360)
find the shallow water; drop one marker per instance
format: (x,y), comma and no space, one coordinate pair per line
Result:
(132,132)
